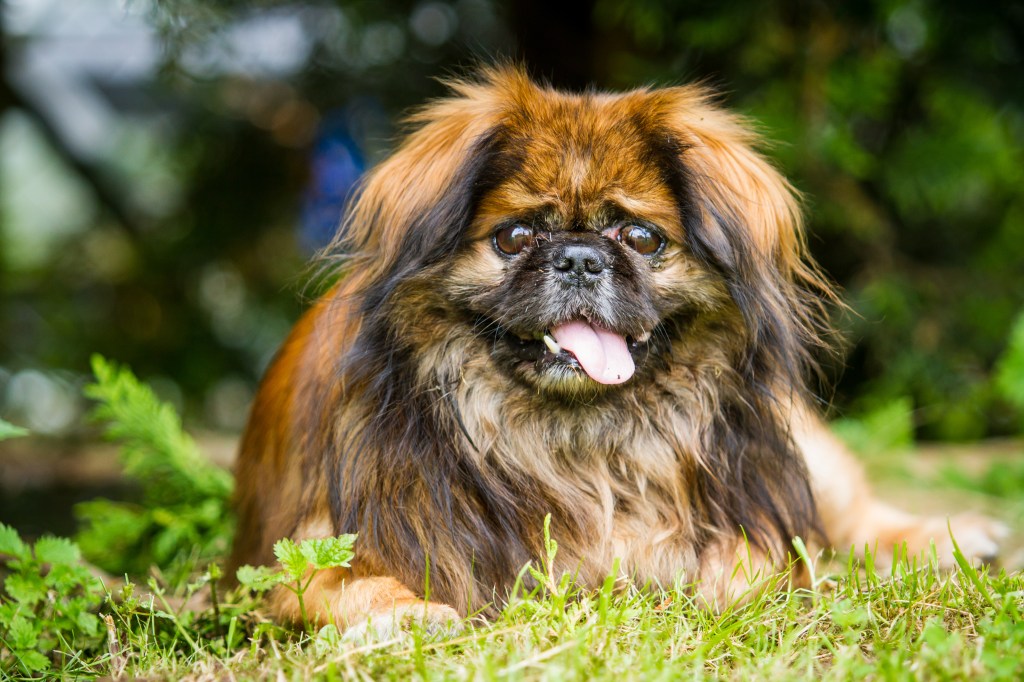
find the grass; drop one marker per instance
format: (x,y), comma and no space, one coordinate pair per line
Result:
(915,622)
(911,622)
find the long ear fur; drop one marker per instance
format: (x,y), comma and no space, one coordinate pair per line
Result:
(744,218)
(402,476)
(415,182)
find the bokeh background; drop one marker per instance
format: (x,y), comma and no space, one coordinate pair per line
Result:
(169,167)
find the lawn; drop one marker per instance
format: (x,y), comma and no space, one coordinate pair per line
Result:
(912,623)
(57,619)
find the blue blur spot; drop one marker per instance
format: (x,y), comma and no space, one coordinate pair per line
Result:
(336,164)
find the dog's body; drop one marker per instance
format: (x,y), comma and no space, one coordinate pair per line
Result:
(591,306)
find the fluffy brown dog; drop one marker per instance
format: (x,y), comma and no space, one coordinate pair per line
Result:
(591,305)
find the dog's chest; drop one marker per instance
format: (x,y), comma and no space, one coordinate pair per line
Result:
(654,547)
(639,511)
(624,475)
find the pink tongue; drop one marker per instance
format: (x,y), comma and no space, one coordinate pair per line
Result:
(602,353)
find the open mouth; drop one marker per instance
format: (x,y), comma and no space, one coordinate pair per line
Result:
(606,356)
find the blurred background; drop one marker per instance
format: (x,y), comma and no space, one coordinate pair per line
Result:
(169,167)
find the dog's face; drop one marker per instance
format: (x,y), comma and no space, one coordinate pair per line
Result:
(580,244)
(576,258)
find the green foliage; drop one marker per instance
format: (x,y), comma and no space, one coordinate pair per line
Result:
(1002,479)
(48,604)
(185,515)
(260,578)
(321,553)
(300,563)
(1009,377)
(8,430)
(885,429)
(154,448)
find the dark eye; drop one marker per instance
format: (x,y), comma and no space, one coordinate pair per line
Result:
(643,240)
(512,239)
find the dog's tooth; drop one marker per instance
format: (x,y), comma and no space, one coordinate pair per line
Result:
(552,345)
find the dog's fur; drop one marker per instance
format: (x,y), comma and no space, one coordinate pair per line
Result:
(398,409)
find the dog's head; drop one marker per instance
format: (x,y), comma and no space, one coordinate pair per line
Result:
(581,243)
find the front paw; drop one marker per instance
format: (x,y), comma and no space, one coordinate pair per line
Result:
(978,537)
(432,619)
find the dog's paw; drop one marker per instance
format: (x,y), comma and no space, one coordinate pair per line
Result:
(978,537)
(432,619)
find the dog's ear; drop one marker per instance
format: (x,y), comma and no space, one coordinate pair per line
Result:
(415,205)
(735,185)
(743,217)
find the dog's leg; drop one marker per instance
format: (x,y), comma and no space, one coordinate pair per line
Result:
(853,517)
(358,605)
(734,572)
(382,607)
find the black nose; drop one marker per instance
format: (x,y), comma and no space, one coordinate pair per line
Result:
(578,263)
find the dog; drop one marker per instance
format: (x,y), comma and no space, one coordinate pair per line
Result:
(590,305)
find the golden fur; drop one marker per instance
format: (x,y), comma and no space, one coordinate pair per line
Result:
(395,410)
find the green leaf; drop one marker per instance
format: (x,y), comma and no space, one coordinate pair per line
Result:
(57,551)
(327,640)
(291,558)
(156,450)
(22,634)
(185,516)
(328,552)
(65,578)
(260,578)
(8,430)
(968,570)
(27,588)
(168,541)
(8,611)
(88,622)
(32,661)
(11,544)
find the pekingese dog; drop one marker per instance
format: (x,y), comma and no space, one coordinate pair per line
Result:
(594,306)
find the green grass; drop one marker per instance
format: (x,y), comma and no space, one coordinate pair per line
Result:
(914,622)
(909,624)
(57,620)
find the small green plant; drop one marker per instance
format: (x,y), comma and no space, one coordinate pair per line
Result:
(545,575)
(300,563)
(185,513)
(48,605)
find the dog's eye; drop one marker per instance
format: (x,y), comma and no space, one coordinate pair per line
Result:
(643,240)
(512,239)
